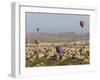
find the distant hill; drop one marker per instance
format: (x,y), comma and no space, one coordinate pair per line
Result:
(65,36)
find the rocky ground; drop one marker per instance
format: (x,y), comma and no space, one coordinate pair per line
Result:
(45,54)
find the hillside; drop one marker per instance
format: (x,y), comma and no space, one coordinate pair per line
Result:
(65,36)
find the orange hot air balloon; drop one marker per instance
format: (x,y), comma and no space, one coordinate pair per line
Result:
(82,23)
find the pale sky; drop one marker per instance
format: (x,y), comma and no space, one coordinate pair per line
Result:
(56,23)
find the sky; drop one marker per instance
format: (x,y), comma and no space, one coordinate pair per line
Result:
(55,23)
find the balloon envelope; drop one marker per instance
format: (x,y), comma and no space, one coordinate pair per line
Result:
(36,42)
(59,49)
(37,29)
(82,24)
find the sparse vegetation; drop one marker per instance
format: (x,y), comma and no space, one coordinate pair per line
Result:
(45,54)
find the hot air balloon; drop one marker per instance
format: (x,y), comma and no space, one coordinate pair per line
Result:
(37,29)
(36,42)
(59,49)
(82,23)
(37,32)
